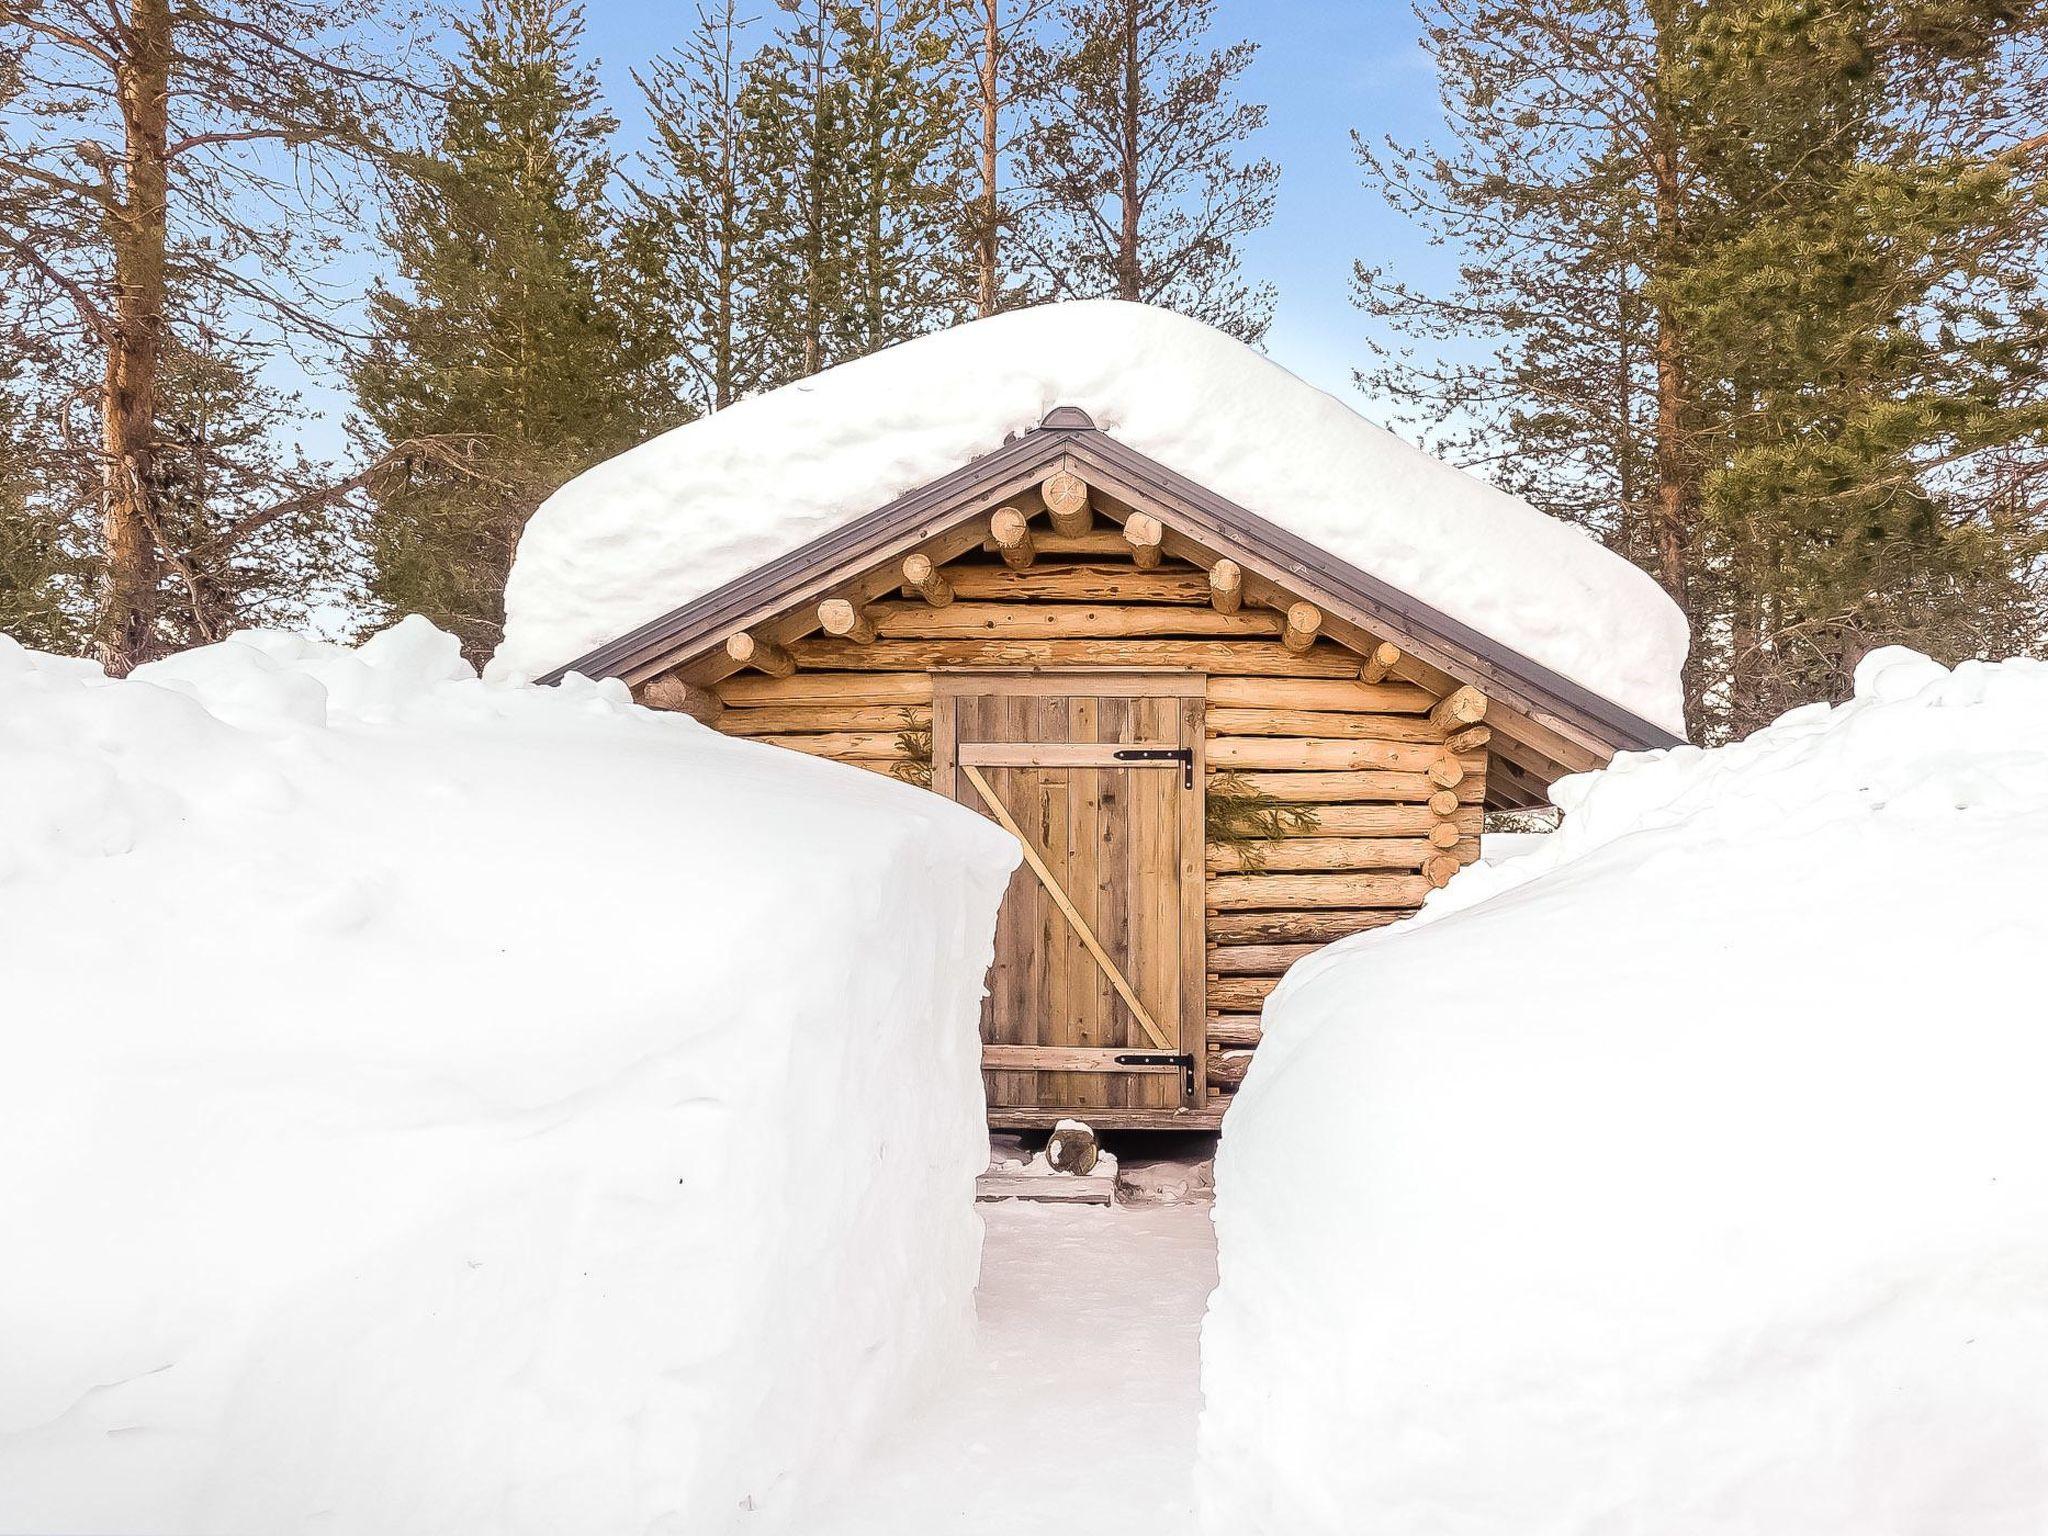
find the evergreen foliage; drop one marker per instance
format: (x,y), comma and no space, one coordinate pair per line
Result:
(502,328)
(1133,161)
(1235,815)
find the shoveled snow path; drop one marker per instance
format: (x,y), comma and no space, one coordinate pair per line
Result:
(1079,1414)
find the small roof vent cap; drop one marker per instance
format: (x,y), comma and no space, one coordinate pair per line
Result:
(1067,416)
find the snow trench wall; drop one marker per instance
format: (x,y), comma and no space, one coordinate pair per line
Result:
(435,1107)
(1688,1175)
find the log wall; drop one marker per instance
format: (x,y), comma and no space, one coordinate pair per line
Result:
(1392,809)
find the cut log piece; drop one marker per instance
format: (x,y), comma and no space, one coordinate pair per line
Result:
(672,693)
(1444,802)
(1307,853)
(1444,834)
(836,616)
(1303,621)
(1467,706)
(923,578)
(1235,994)
(1229,1033)
(1091,583)
(1226,586)
(869,746)
(1384,658)
(1346,788)
(798,719)
(1066,503)
(1229,893)
(1438,870)
(1242,657)
(1446,771)
(1072,1148)
(1064,621)
(749,691)
(1096,543)
(1012,534)
(1296,926)
(1470,739)
(1299,752)
(1324,724)
(761,655)
(1280,692)
(1257,959)
(1144,532)
(1227,1068)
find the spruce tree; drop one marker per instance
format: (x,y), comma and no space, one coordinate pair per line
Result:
(1134,161)
(500,328)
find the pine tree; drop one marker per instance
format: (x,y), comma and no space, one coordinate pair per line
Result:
(991,33)
(1134,165)
(697,234)
(501,329)
(43,600)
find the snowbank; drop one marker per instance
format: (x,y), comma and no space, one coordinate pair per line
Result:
(437,1107)
(1688,1173)
(689,511)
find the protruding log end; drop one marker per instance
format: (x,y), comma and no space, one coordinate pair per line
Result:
(1447,771)
(1444,802)
(1066,503)
(1226,586)
(1072,1148)
(842,619)
(1303,621)
(672,693)
(1144,532)
(923,578)
(1012,533)
(1470,739)
(1383,659)
(1465,707)
(1439,868)
(761,655)
(1443,835)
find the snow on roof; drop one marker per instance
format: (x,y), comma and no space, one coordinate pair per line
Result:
(686,512)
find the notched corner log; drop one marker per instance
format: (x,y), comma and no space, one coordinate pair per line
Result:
(1467,706)
(1143,532)
(1226,586)
(1012,532)
(1384,658)
(923,578)
(761,655)
(1304,620)
(673,694)
(842,620)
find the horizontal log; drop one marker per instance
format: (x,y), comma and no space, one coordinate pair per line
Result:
(1062,621)
(1282,691)
(1303,752)
(909,686)
(1346,787)
(1305,853)
(1244,893)
(1076,584)
(1214,656)
(1229,994)
(1228,1067)
(870,745)
(1295,925)
(1325,724)
(1388,820)
(1256,959)
(795,719)
(1096,543)
(1470,739)
(1232,1033)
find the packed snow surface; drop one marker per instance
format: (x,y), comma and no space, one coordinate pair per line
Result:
(440,1107)
(1688,1173)
(682,515)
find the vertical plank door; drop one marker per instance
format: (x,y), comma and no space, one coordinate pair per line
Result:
(1095,997)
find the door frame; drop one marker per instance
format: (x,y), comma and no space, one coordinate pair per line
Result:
(1191,688)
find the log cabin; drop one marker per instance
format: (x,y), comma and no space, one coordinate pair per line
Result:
(1242,673)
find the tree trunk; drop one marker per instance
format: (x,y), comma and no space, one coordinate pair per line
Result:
(985,241)
(125,631)
(1127,279)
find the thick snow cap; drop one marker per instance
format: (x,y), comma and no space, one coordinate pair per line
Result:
(683,514)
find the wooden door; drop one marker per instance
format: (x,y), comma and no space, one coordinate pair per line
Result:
(1095,997)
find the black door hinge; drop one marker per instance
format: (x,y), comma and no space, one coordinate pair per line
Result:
(1185,1062)
(1185,756)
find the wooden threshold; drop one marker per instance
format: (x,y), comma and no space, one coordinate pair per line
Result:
(1014,1117)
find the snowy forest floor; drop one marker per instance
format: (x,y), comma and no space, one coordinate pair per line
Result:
(1078,1415)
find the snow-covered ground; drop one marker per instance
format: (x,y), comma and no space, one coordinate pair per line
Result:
(1077,1415)
(688,511)
(1687,1173)
(435,1107)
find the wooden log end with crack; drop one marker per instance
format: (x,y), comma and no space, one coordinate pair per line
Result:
(761,655)
(1438,870)
(1444,802)
(1446,771)
(1226,586)
(923,578)
(1012,532)
(1143,532)
(1384,658)
(1066,503)
(672,693)
(1465,706)
(1304,621)
(841,619)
